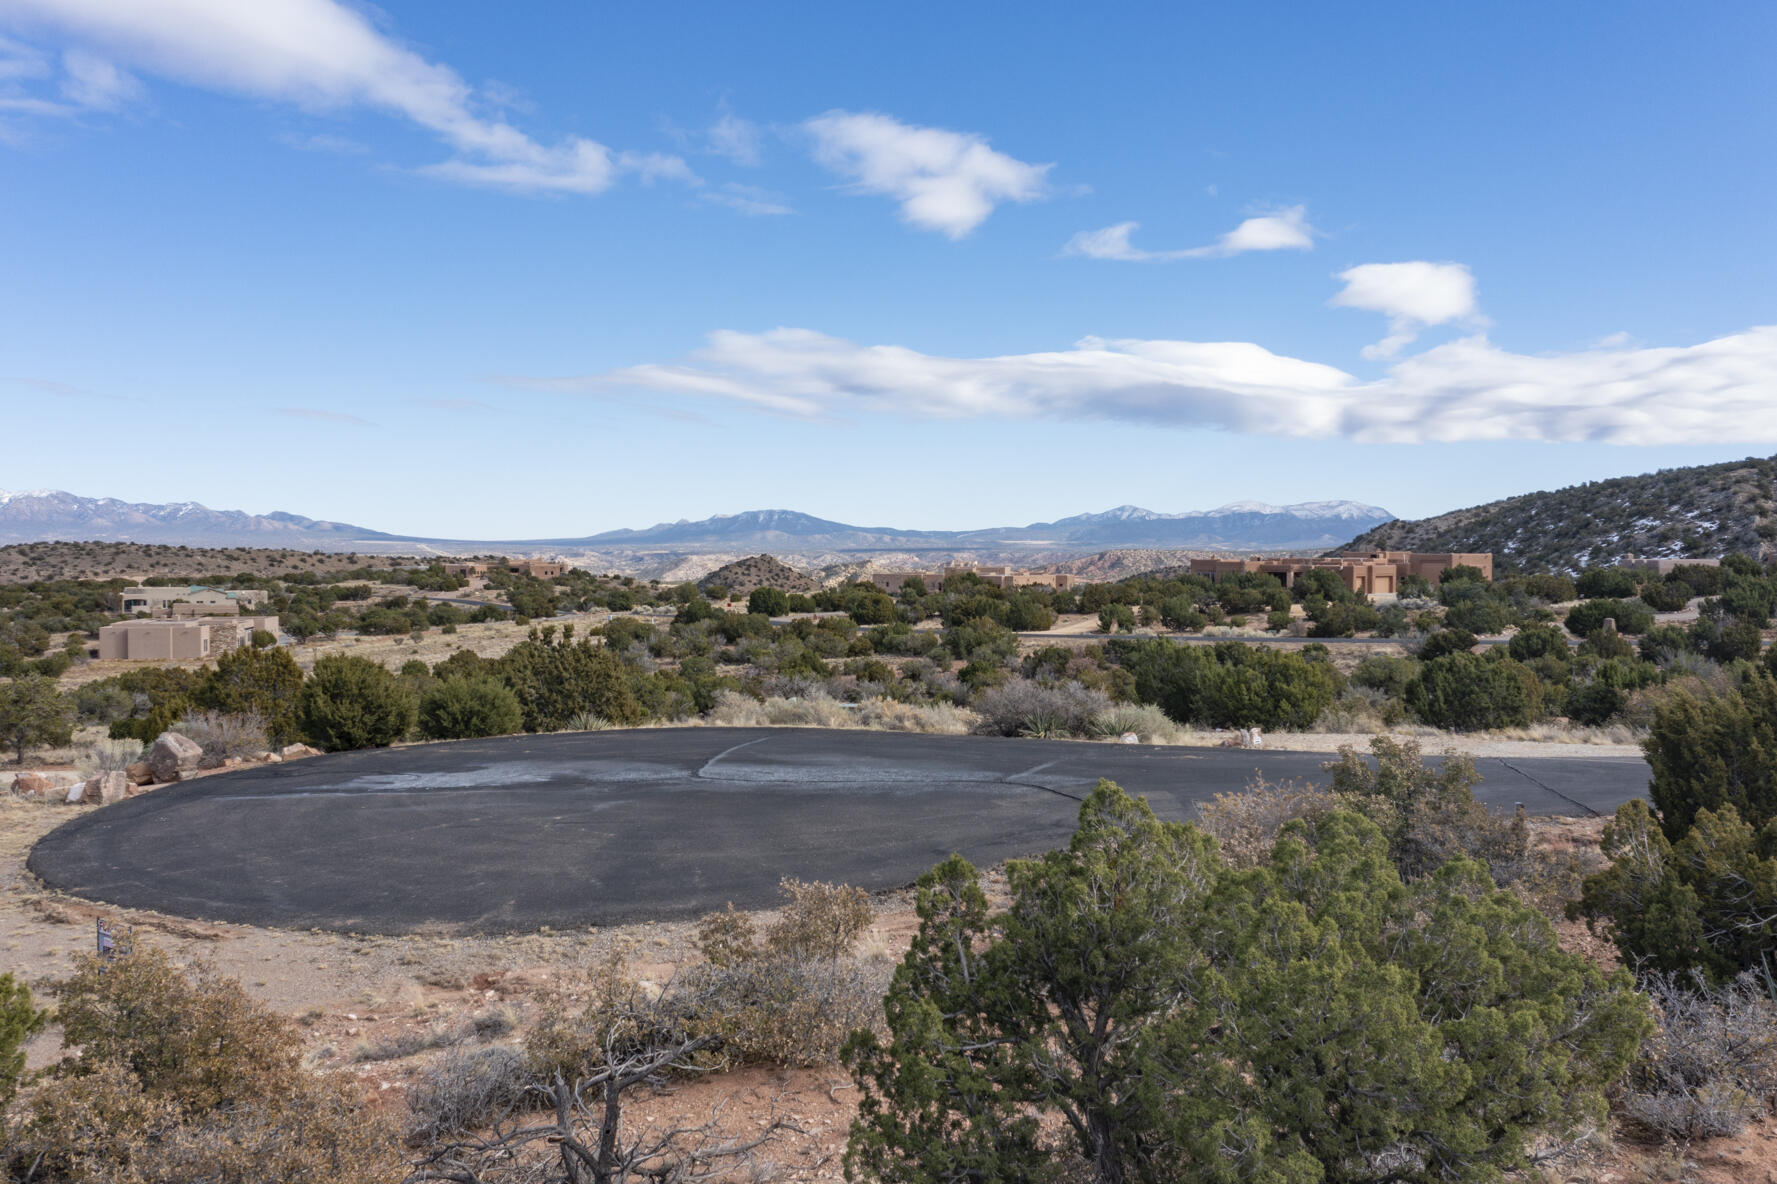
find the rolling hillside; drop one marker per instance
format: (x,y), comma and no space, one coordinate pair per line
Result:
(1708,510)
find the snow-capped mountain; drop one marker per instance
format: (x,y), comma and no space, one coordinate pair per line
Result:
(47,515)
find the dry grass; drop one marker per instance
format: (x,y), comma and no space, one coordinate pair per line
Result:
(734,710)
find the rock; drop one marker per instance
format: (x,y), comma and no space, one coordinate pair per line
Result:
(291,752)
(139,773)
(232,762)
(32,784)
(76,793)
(172,755)
(1129,738)
(106,788)
(272,758)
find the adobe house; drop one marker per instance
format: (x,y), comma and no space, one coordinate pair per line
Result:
(1373,573)
(1429,564)
(893,581)
(537,569)
(465,569)
(175,639)
(158,601)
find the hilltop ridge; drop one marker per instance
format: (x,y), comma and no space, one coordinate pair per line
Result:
(1700,511)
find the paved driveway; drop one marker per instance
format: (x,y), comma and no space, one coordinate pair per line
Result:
(601,828)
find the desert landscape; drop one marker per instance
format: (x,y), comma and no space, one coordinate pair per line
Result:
(900,594)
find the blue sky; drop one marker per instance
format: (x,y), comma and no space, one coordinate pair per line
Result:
(538,270)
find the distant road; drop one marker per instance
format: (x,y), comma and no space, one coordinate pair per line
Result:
(1269,639)
(601,828)
(505,608)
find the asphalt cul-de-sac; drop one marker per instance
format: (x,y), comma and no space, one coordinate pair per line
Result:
(603,828)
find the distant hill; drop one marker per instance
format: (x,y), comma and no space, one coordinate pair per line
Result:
(758,571)
(50,515)
(1707,511)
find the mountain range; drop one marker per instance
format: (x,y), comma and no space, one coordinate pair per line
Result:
(46,515)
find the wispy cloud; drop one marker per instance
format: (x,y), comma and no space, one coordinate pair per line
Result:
(19,61)
(748,199)
(1281,230)
(27,105)
(324,416)
(323,55)
(1715,392)
(1412,296)
(93,82)
(323,142)
(735,138)
(458,404)
(60,389)
(945,181)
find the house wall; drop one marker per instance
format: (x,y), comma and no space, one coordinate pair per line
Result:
(537,569)
(141,641)
(178,640)
(892,581)
(1376,573)
(160,600)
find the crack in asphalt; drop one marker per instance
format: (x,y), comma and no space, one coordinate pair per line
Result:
(1545,786)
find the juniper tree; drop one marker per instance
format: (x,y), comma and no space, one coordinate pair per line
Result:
(253,680)
(352,702)
(32,711)
(1170,1019)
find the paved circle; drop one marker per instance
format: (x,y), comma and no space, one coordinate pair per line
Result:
(601,828)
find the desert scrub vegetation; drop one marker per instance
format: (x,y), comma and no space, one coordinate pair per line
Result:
(1711,1065)
(1141,1010)
(1426,812)
(921,660)
(554,1113)
(221,735)
(818,710)
(788,996)
(175,1076)
(1692,882)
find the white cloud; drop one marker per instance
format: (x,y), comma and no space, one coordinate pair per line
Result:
(735,138)
(94,82)
(945,181)
(1412,296)
(1111,243)
(1716,392)
(1285,229)
(323,55)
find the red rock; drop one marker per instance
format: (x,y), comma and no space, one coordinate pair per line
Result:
(31,784)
